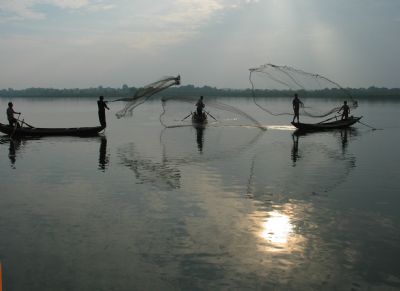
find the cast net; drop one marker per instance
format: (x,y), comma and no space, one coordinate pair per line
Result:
(271,80)
(144,93)
(177,112)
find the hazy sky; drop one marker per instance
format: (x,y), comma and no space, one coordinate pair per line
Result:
(87,43)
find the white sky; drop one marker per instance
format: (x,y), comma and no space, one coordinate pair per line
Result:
(88,43)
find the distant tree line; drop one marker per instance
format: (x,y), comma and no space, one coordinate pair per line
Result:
(190,90)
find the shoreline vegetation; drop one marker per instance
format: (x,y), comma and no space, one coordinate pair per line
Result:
(190,90)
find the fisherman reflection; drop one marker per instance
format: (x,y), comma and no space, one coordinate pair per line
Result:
(295,149)
(200,138)
(12,151)
(103,157)
(344,138)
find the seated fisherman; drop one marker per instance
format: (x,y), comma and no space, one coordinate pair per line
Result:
(10,115)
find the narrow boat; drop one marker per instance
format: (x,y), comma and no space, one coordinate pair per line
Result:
(337,124)
(37,131)
(199,120)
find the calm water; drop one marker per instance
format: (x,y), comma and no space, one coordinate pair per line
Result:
(230,207)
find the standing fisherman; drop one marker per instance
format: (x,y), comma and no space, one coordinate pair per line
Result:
(346,110)
(296,107)
(102,111)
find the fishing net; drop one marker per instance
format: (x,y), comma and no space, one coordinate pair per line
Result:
(143,94)
(271,80)
(218,113)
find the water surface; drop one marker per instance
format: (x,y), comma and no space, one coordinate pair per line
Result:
(143,207)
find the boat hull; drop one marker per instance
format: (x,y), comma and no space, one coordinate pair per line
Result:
(338,124)
(199,120)
(36,131)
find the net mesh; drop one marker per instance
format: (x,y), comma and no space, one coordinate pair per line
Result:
(274,80)
(219,113)
(143,94)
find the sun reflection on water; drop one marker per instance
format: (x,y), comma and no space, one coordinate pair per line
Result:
(277,228)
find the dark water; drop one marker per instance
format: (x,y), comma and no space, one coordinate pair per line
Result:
(228,207)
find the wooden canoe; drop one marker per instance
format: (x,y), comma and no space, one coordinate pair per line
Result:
(199,120)
(337,124)
(37,131)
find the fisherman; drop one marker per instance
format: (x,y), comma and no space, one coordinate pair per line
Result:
(200,106)
(346,110)
(10,115)
(296,107)
(102,105)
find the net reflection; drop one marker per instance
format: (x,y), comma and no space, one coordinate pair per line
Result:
(224,141)
(315,154)
(281,191)
(344,136)
(160,174)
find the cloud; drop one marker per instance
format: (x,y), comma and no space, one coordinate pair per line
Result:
(178,21)
(19,10)
(28,9)
(66,4)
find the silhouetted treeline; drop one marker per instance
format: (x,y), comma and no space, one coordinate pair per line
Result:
(190,90)
(76,92)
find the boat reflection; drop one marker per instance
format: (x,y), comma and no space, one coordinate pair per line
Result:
(344,136)
(16,144)
(200,137)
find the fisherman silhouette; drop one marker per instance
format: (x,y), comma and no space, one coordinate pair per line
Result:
(200,106)
(346,110)
(296,107)
(102,105)
(10,115)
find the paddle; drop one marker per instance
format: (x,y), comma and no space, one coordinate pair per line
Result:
(16,125)
(211,115)
(373,128)
(336,116)
(23,122)
(187,116)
